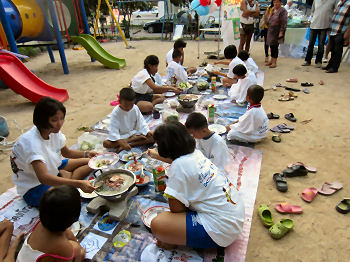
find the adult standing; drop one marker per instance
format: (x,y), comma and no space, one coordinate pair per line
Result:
(264,31)
(277,22)
(322,12)
(249,10)
(340,33)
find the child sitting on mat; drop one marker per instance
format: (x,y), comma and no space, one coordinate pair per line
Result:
(128,128)
(179,45)
(238,91)
(148,86)
(175,71)
(51,239)
(36,157)
(211,144)
(206,210)
(249,62)
(254,124)
(230,53)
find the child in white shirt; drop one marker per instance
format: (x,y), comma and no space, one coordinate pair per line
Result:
(36,157)
(211,144)
(232,60)
(148,86)
(249,62)
(238,91)
(254,124)
(176,73)
(206,210)
(179,44)
(128,128)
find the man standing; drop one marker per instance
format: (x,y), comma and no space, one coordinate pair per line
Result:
(322,12)
(340,33)
(249,11)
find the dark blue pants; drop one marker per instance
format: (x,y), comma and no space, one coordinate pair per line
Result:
(336,45)
(314,33)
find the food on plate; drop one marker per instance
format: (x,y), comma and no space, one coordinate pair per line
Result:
(135,166)
(103,162)
(184,86)
(188,96)
(115,181)
(202,85)
(128,156)
(85,146)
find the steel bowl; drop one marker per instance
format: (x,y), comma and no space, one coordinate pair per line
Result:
(117,194)
(186,102)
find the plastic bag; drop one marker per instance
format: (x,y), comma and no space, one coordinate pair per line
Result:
(89,141)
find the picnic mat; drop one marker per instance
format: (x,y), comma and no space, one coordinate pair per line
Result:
(130,240)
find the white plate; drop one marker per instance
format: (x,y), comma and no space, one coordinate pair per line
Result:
(111,157)
(220,97)
(128,154)
(169,94)
(151,213)
(87,195)
(219,129)
(159,107)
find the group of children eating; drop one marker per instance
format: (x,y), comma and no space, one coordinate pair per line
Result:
(205,208)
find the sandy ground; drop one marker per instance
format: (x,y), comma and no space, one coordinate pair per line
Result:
(320,233)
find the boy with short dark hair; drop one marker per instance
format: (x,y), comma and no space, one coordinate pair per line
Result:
(179,44)
(238,91)
(175,70)
(128,128)
(249,62)
(211,144)
(254,124)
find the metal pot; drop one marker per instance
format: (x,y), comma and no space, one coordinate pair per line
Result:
(117,194)
(187,103)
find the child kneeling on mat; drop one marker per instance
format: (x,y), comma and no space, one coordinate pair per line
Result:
(51,239)
(254,124)
(206,210)
(128,127)
(36,157)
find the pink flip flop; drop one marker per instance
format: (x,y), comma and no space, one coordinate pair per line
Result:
(309,168)
(309,194)
(286,208)
(328,189)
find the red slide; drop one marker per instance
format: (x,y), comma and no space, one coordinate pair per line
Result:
(20,79)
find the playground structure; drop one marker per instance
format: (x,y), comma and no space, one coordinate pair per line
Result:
(47,22)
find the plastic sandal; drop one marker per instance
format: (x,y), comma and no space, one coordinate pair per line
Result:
(285,208)
(281,228)
(307,84)
(292,80)
(298,170)
(310,169)
(276,138)
(309,194)
(272,116)
(265,215)
(280,181)
(328,189)
(290,117)
(344,206)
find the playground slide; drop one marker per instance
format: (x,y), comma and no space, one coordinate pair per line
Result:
(20,79)
(96,51)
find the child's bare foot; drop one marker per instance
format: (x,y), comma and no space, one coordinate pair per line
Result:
(166,246)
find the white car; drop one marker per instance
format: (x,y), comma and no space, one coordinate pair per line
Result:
(141,17)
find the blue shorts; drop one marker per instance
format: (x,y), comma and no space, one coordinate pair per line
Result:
(33,196)
(63,164)
(196,236)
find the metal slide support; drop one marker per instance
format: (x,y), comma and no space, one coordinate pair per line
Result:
(49,50)
(85,21)
(116,21)
(58,38)
(97,16)
(7,28)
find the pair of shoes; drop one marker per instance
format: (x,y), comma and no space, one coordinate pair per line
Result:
(318,65)
(282,128)
(307,84)
(297,170)
(306,63)
(272,116)
(290,117)
(277,230)
(331,70)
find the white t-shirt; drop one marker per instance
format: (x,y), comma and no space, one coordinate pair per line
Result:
(138,82)
(169,56)
(251,127)
(32,146)
(125,124)
(197,183)
(251,65)
(238,91)
(235,61)
(215,149)
(250,19)
(178,71)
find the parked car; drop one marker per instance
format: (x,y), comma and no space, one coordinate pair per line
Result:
(141,17)
(156,26)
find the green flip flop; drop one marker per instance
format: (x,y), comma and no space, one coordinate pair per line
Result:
(265,215)
(344,206)
(281,228)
